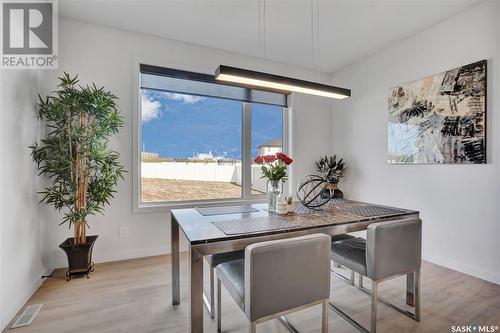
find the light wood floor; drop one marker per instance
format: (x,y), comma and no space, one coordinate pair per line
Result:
(134,296)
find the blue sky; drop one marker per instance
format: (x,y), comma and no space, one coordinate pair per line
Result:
(182,126)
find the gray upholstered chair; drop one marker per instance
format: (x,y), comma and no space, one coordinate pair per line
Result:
(214,260)
(278,277)
(391,249)
(338,238)
(217,259)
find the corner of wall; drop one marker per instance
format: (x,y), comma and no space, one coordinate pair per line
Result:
(22,223)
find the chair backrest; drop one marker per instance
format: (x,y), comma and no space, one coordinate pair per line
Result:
(393,248)
(283,274)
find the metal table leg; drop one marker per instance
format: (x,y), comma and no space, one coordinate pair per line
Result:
(410,289)
(174,243)
(417,295)
(196,291)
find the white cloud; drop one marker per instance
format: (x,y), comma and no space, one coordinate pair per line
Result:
(150,109)
(188,99)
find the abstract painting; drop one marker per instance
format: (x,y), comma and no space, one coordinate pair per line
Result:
(440,119)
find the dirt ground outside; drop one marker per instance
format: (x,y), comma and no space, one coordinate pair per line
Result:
(161,190)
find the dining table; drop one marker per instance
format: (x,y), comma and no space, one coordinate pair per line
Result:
(212,230)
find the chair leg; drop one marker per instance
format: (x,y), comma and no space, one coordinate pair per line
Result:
(373,319)
(335,265)
(253,327)
(417,294)
(219,307)
(324,316)
(212,294)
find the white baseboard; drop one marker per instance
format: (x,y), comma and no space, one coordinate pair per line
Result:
(122,254)
(16,306)
(129,254)
(493,277)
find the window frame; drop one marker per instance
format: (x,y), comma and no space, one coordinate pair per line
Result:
(246,197)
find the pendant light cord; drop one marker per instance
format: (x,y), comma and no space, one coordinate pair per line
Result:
(317,33)
(317,27)
(314,33)
(262,28)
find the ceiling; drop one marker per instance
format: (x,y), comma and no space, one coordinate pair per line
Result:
(319,34)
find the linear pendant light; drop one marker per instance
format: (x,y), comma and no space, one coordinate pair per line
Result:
(281,83)
(248,78)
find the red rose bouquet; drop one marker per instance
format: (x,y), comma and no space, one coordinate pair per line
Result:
(274,166)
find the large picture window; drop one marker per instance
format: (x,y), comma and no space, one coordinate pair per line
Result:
(198,138)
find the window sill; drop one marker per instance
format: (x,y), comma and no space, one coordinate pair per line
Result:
(168,206)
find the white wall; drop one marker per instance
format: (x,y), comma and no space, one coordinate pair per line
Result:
(21,216)
(107,57)
(459,204)
(311,133)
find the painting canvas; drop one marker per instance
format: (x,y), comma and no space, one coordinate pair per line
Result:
(440,119)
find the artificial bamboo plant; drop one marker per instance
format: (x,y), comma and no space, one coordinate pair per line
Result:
(74,155)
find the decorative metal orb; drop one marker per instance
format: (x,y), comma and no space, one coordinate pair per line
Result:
(313,191)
